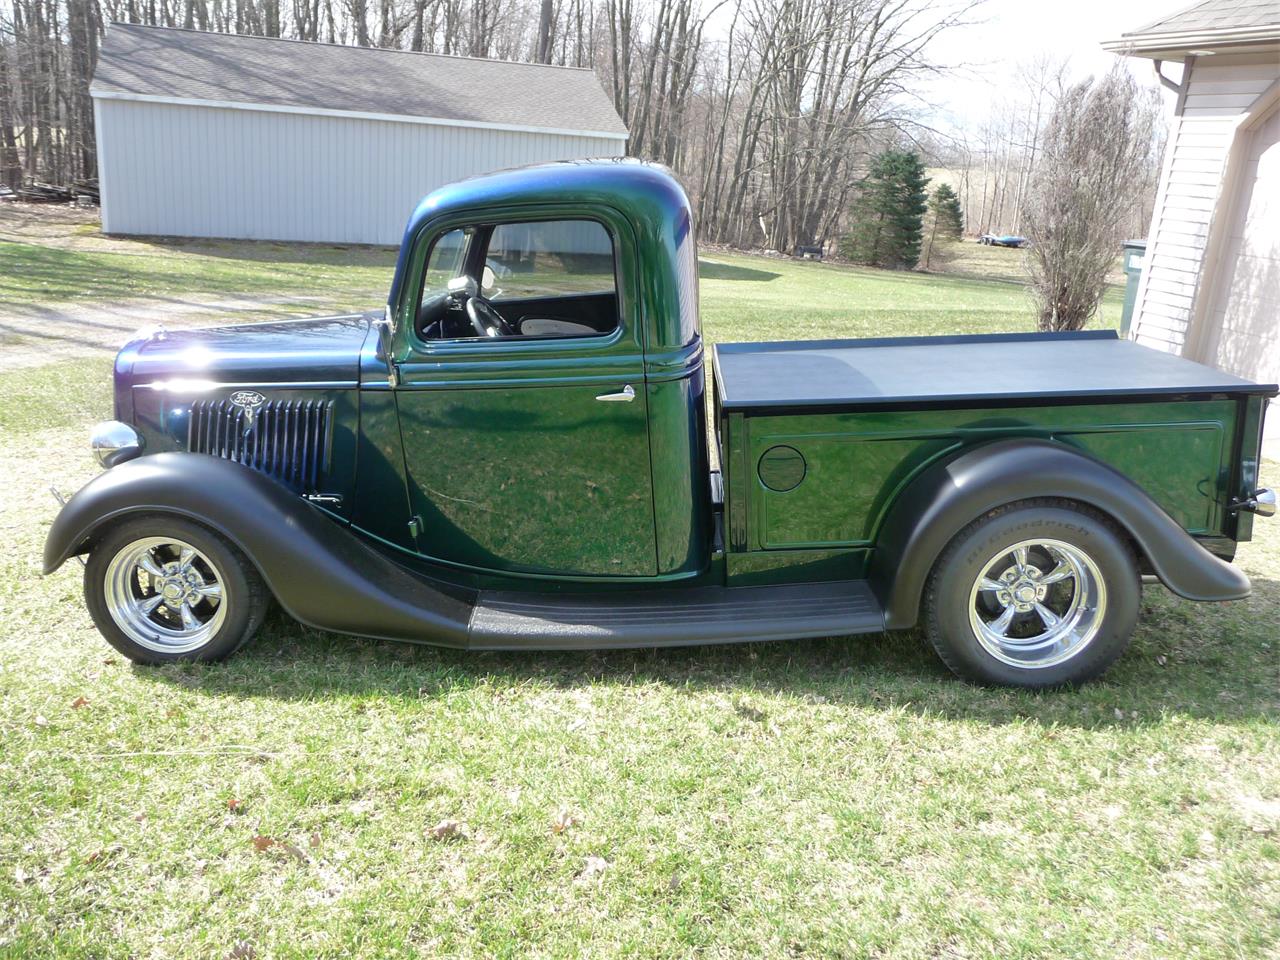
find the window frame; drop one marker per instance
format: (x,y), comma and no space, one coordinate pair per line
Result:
(479,230)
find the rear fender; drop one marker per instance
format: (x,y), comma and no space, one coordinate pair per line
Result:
(948,496)
(321,572)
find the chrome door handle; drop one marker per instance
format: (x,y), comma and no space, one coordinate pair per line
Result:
(625,395)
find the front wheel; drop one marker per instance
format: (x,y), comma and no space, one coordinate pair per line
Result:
(1034,594)
(162,589)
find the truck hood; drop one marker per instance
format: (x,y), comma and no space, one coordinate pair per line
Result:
(318,350)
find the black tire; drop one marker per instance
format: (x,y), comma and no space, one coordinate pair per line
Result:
(954,589)
(243,595)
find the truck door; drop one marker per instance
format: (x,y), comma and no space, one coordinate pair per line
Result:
(522,404)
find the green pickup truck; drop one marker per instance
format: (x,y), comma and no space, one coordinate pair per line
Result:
(515,453)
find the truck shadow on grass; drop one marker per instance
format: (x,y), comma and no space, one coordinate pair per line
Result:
(714,270)
(1219,663)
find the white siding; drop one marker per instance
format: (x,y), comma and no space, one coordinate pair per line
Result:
(176,170)
(1240,328)
(1219,92)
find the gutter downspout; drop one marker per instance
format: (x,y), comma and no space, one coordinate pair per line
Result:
(1165,81)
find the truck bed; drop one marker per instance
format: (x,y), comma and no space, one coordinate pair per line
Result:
(986,369)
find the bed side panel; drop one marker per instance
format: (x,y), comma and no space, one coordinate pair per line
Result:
(855,464)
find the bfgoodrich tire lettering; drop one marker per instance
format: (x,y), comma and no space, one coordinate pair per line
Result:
(162,589)
(1034,594)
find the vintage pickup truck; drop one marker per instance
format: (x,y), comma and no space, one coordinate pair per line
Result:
(515,454)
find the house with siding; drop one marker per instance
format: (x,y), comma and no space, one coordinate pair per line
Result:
(217,135)
(1210,289)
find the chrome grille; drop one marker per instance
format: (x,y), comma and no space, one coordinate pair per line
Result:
(289,439)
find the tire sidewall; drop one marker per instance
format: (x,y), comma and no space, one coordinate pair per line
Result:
(965,559)
(237,592)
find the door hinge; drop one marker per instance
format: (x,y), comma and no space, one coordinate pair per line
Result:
(415,526)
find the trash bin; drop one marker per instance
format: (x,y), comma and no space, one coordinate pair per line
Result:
(1135,258)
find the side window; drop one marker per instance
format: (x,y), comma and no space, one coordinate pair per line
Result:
(547,279)
(548,259)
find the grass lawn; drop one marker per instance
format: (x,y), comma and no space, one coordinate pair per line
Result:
(40,274)
(825,798)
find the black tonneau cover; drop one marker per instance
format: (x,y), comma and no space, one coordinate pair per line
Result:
(960,370)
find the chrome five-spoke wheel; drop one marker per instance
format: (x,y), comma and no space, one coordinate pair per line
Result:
(1036,594)
(1038,603)
(162,588)
(165,594)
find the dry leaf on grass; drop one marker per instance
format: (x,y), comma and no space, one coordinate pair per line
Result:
(242,951)
(563,821)
(105,853)
(234,804)
(593,867)
(265,844)
(447,830)
(315,840)
(78,702)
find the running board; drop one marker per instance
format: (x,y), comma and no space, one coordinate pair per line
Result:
(504,620)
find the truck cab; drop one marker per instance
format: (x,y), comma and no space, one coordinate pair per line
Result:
(516,453)
(548,378)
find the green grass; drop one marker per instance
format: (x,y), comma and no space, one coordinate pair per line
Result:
(34,274)
(752,298)
(743,296)
(824,798)
(70,393)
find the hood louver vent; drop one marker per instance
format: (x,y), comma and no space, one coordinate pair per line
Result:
(288,439)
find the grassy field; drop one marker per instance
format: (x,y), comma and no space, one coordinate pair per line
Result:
(979,289)
(33,273)
(320,796)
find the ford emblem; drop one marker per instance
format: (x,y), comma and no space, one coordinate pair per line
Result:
(248,399)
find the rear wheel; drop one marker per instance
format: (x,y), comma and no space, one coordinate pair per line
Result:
(162,589)
(1034,594)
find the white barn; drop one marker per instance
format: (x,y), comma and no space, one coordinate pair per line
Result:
(1210,289)
(214,135)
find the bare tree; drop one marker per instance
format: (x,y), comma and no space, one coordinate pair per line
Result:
(1096,148)
(769,127)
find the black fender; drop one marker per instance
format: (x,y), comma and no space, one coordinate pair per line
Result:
(949,495)
(322,573)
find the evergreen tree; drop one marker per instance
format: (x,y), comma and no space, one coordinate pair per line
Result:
(943,224)
(946,207)
(888,212)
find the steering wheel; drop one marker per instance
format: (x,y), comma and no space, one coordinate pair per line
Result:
(486,320)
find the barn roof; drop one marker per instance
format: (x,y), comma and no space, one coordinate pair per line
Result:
(170,65)
(1207,24)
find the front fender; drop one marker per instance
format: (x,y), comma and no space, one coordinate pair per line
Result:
(321,572)
(948,496)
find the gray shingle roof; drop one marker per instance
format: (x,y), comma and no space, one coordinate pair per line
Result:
(1214,15)
(193,65)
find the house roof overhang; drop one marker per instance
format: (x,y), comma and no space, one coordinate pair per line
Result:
(1179,44)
